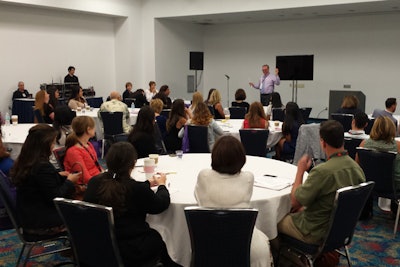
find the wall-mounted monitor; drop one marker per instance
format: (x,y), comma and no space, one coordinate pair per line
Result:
(300,68)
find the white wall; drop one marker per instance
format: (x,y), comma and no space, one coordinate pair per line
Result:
(173,43)
(38,45)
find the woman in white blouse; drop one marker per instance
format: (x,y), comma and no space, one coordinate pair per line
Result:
(226,186)
(152,91)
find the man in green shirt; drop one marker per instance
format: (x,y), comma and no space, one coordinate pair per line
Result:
(312,201)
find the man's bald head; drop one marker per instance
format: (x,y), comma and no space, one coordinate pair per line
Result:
(115,95)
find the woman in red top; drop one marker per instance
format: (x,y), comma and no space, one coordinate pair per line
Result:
(80,155)
(255,117)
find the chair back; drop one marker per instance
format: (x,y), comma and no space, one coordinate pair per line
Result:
(59,154)
(198,139)
(378,166)
(348,204)
(112,122)
(237,112)
(350,144)
(344,119)
(8,217)
(278,114)
(369,126)
(91,230)
(305,112)
(159,142)
(254,141)
(165,113)
(38,116)
(219,237)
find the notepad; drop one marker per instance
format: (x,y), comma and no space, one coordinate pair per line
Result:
(273,183)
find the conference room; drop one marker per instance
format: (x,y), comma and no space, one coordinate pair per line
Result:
(354,47)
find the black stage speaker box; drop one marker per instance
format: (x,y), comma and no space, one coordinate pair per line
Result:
(196,60)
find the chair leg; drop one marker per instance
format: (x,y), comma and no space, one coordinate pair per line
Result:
(102,148)
(20,255)
(347,256)
(28,254)
(397,220)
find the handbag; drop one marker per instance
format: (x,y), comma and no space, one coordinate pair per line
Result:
(80,186)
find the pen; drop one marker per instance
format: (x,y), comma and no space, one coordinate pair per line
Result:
(270,175)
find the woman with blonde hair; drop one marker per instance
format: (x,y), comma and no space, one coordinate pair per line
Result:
(80,154)
(42,104)
(215,102)
(196,99)
(349,105)
(202,117)
(256,117)
(157,105)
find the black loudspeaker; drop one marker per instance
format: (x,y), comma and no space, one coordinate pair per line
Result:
(196,60)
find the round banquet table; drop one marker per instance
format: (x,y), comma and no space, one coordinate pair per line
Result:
(181,180)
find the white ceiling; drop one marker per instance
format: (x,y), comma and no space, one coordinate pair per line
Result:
(366,8)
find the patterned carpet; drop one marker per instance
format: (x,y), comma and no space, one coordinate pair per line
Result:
(373,245)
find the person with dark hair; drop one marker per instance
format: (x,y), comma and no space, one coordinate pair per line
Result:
(151,92)
(38,183)
(80,154)
(176,120)
(142,134)
(163,94)
(140,98)
(63,117)
(131,202)
(275,102)
(358,124)
(128,91)
(266,84)
(21,92)
(227,186)
(76,98)
(54,95)
(349,105)
(313,200)
(42,104)
(290,130)
(70,79)
(240,97)
(391,105)
(256,117)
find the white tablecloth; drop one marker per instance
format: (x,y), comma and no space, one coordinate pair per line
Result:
(14,136)
(234,125)
(171,224)
(99,125)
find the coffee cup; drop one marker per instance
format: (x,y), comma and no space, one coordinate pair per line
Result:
(14,119)
(276,123)
(227,116)
(149,167)
(87,107)
(155,157)
(78,109)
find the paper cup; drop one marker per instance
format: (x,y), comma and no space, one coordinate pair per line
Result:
(155,157)
(149,167)
(14,119)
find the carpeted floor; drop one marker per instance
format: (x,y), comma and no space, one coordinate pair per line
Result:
(373,245)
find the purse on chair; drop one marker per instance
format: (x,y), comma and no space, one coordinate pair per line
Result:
(80,186)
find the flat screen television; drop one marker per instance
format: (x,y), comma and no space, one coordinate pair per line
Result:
(300,68)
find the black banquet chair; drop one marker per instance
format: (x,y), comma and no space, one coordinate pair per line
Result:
(254,141)
(112,125)
(344,119)
(350,144)
(305,112)
(237,112)
(52,245)
(348,204)
(91,230)
(219,237)
(278,114)
(198,139)
(378,167)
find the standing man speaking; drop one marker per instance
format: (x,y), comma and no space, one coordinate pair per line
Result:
(266,84)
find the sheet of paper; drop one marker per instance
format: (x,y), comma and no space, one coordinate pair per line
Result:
(273,183)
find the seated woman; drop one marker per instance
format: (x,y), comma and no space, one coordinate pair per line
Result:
(157,106)
(76,99)
(142,134)
(290,130)
(202,116)
(275,102)
(227,159)
(215,102)
(240,97)
(381,138)
(207,101)
(38,183)
(196,98)
(177,119)
(131,202)
(256,117)
(80,154)
(54,95)
(42,104)
(349,105)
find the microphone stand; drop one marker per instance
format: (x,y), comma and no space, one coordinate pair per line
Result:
(227,88)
